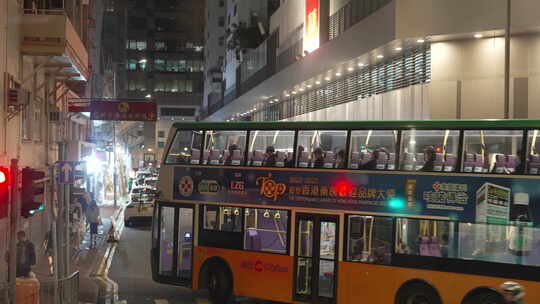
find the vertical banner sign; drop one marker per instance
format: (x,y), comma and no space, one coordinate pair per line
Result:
(311,26)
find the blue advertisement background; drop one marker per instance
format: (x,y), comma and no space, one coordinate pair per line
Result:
(452,196)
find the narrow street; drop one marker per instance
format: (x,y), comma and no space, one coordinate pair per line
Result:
(130,269)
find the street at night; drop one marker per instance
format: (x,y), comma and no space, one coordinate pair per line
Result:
(269,151)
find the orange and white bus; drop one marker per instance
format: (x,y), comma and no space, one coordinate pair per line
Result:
(405,212)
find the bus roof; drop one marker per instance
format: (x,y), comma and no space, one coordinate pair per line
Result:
(373,124)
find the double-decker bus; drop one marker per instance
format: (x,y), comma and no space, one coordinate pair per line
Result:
(406,212)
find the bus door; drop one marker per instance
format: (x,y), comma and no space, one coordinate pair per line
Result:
(174,255)
(316,258)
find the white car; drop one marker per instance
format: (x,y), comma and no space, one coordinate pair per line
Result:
(138,212)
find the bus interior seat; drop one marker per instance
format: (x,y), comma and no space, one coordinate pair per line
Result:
(534,164)
(500,164)
(434,247)
(280,159)
(391,163)
(450,163)
(195,156)
(213,158)
(329,160)
(206,153)
(258,158)
(512,162)
(382,160)
(408,162)
(478,163)
(353,163)
(438,163)
(236,158)
(468,163)
(224,157)
(424,246)
(303,159)
(420,161)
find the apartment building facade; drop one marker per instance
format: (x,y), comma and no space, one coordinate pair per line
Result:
(44,66)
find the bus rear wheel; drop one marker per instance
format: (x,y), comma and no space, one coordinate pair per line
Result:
(219,285)
(487,297)
(417,293)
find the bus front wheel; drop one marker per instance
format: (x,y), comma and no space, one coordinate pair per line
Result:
(484,297)
(417,293)
(219,284)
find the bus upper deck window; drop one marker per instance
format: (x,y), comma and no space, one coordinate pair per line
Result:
(533,152)
(373,149)
(492,151)
(271,148)
(224,148)
(321,149)
(185,148)
(429,150)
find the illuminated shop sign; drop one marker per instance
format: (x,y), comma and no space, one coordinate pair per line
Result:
(311,26)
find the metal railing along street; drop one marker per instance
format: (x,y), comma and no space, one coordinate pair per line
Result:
(63,291)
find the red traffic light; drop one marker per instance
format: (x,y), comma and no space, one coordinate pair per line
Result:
(3,177)
(4,191)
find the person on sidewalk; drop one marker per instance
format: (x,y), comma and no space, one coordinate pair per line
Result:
(26,255)
(93,217)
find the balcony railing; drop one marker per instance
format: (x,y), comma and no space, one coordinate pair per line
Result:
(49,32)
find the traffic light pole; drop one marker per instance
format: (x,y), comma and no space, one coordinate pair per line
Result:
(62,229)
(14,207)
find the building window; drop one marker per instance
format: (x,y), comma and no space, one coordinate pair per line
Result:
(175,112)
(221,21)
(161,134)
(235,9)
(137,23)
(131,65)
(161,144)
(136,85)
(159,64)
(139,45)
(165,24)
(221,41)
(221,3)
(174,86)
(160,46)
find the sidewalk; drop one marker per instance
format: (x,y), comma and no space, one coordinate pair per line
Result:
(86,259)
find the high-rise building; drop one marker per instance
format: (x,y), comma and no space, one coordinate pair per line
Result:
(382,60)
(154,51)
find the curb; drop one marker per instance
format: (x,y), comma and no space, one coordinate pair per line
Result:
(107,288)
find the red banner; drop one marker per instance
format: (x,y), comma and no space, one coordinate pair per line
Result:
(311,28)
(123,110)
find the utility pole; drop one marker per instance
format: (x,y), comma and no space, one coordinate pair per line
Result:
(62,230)
(507,60)
(114,164)
(14,217)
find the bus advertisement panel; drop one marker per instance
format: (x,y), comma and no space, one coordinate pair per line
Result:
(458,197)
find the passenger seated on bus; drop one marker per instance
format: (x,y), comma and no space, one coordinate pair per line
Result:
(318,158)
(340,159)
(372,164)
(429,156)
(290,160)
(228,160)
(270,157)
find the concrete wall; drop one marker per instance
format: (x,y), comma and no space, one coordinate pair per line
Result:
(468,78)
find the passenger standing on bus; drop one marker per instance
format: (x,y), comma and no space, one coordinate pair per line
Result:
(429,154)
(340,159)
(512,292)
(270,157)
(318,158)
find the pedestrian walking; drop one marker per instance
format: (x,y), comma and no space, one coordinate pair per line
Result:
(26,255)
(93,217)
